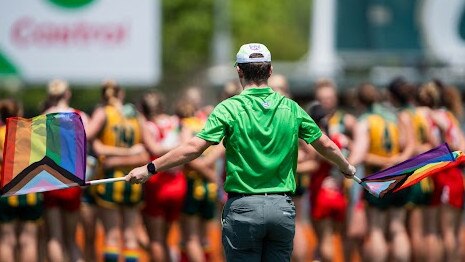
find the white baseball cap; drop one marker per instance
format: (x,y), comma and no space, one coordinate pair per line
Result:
(244,53)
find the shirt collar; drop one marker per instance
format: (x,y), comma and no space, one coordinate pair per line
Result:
(257,91)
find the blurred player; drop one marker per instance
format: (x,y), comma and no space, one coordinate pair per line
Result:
(327,202)
(193,97)
(402,96)
(116,131)
(340,124)
(447,200)
(166,191)
(62,206)
(377,142)
(202,188)
(453,102)
(340,129)
(19,215)
(230,89)
(279,84)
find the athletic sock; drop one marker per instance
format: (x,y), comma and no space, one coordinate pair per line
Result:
(131,255)
(110,254)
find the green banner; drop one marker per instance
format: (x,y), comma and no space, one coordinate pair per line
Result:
(6,66)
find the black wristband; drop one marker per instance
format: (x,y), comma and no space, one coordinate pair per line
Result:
(151,168)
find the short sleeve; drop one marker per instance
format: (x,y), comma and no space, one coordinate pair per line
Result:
(215,127)
(308,129)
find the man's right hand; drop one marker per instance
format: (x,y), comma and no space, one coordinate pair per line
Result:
(138,175)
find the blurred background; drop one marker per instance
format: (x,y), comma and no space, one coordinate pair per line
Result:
(171,44)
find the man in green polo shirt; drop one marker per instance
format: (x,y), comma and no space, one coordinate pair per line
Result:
(260,131)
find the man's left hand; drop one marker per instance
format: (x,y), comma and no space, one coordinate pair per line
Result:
(349,172)
(138,175)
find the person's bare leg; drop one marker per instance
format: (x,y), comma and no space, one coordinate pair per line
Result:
(157,230)
(42,241)
(143,239)
(400,246)
(205,226)
(433,251)
(324,232)
(131,242)
(300,243)
(462,237)
(356,230)
(111,221)
(449,221)
(70,225)
(376,248)
(191,239)
(7,242)
(415,226)
(89,223)
(55,243)
(28,242)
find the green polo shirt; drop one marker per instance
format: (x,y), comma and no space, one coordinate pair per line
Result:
(260,129)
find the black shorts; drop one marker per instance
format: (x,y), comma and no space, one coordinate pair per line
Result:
(21,210)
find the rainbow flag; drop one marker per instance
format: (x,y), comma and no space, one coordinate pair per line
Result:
(44,153)
(411,171)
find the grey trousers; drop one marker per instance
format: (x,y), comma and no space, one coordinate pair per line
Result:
(258,228)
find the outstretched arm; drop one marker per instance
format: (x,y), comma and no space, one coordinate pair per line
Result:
(331,152)
(205,165)
(178,156)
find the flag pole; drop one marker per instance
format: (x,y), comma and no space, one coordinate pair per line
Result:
(105,180)
(357,179)
(364,185)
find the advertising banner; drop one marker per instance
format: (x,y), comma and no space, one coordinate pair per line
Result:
(82,41)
